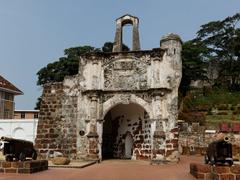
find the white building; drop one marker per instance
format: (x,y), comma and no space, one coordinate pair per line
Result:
(19,128)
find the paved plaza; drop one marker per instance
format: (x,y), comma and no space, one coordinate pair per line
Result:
(115,170)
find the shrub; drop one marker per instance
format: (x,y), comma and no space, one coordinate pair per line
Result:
(192,117)
(223,107)
(236,112)
(203,107)
(222,113)
(209,112)
(232,108)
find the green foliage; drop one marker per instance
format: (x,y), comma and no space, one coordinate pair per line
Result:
(38,103)
(222,39)
(193,117)
(217,97)
(68,65)
(65,66)
(108,47)
(192,63)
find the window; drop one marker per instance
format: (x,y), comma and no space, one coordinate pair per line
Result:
(6,114)
(35,115)
(8,96)
(22,115)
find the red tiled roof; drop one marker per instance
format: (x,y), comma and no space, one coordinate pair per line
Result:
(7,86)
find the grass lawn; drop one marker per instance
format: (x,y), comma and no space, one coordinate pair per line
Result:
(215,119)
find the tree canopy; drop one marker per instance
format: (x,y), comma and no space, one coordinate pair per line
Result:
(108,47)
(193,65)
(222,39)
(68,65)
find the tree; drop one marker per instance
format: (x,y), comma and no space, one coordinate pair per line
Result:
(222,39)
(108,47)
(65,66)
(192,63)
(68,65)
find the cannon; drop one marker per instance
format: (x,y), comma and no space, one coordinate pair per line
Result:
(219,152)
(17,149)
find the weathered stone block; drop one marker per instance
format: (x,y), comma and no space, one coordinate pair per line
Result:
(17,164)
(60,161)
(226,177)
(202,168)
(6,164)
(235,169)
(10,170)
(221,169)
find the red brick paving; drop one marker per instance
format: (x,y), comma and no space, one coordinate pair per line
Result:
(116,170)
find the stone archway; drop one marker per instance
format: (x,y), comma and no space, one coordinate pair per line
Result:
(126,133)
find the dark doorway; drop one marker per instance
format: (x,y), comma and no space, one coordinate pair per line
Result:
(109,136)
(126,130)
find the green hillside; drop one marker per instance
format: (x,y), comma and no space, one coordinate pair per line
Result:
(211,108)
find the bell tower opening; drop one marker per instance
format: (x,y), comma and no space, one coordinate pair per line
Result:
(127,36)
(121,22)
(126,133)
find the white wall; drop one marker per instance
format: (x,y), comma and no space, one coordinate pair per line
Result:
(19,128)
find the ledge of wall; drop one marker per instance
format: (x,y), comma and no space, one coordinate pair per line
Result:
(208,172)
(26,167)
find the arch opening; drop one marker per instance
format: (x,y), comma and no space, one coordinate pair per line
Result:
(126,133)
(127,36)
(19,133)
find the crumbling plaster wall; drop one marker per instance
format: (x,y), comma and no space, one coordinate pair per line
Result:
(148,78)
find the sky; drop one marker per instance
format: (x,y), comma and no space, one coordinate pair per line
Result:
(34,33)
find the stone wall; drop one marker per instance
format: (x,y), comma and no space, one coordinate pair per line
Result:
(73,112)
(195,140)
(208,172)
(57,125)
(165,145)
(25,167)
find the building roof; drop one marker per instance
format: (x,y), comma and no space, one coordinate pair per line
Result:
(7,86)
(26,110)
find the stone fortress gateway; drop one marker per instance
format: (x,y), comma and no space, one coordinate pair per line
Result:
(119,105)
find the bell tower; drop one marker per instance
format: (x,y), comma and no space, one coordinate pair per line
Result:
(122,21)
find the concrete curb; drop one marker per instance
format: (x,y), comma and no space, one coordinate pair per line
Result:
(73,166)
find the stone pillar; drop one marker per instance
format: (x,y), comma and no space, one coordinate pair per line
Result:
(93,135)
(117,45)
(136,39)
(159,138)
(100,132)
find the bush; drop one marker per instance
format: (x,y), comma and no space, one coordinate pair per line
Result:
(232,108)
(218,97)
(222,107)
(236,112)
(222,113)
(203,107)
(192,117)
(209,112)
